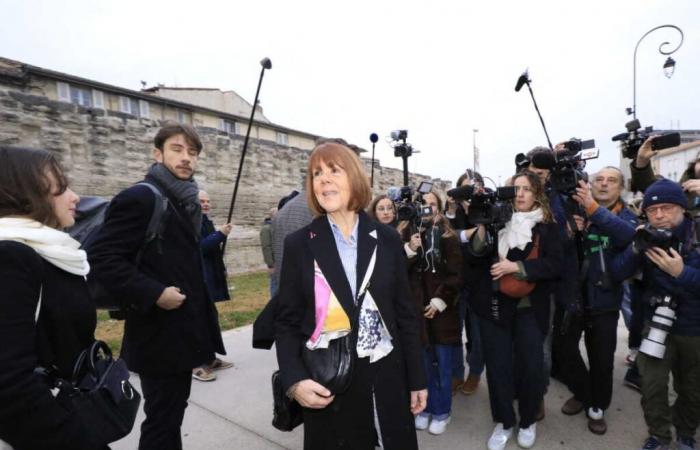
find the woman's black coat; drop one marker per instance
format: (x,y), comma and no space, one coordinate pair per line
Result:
(544,271)
(348,421)
(30,417)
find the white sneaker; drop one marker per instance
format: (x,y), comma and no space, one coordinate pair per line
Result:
(595,413)
(422,421)
(438,426)
(527,436)
(499,437)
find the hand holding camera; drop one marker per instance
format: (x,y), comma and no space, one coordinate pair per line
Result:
(669,261)
(415,242)
(583,195)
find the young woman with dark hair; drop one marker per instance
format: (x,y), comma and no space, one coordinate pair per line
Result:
(46,316)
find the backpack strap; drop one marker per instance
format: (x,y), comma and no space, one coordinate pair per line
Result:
(154,231)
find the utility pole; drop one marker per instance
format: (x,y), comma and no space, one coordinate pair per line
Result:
(476,150)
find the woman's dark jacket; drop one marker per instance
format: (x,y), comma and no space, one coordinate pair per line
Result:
(443,283)
(394,375)
(156,341)
(213,259)
(545,271)
(611,232)
(30,417)
(656,283)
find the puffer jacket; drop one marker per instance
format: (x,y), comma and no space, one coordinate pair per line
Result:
(685,289)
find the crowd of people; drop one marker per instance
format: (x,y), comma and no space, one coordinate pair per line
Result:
(383,310)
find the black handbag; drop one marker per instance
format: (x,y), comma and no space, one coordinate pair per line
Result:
(100,394)
(286,412)
(332,367)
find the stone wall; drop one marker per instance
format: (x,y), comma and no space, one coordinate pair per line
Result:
(104,152)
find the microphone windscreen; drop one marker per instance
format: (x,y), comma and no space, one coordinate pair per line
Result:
(543,160)
(373,138)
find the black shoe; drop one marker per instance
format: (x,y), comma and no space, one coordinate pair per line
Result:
(633,379)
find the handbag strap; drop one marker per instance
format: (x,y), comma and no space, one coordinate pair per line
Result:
(38,304)
(368,274)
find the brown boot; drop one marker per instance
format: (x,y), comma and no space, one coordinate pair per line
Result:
(572,407)
(596,421)
(472,383)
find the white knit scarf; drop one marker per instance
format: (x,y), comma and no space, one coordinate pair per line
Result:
(53,245)
(518,231)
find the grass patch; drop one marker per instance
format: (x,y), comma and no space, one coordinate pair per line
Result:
(249,292)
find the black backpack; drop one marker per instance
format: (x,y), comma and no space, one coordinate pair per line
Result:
(90,215)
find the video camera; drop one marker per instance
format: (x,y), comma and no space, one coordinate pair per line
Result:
(402,149)
(569,165)
(410,207)
(635,137)
(486,206)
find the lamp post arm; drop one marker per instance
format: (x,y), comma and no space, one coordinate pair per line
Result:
(661,50)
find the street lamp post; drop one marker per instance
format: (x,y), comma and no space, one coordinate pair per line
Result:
(669,65)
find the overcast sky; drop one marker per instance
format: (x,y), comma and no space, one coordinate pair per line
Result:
(439,69)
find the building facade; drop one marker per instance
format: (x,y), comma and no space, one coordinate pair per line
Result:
(103,136)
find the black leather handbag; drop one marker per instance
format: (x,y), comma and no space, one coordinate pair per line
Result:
(100,394)
(286,413)
(332,367)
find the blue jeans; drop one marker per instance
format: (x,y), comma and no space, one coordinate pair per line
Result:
(514,367)
(273,285)
(475,355)
(439,380)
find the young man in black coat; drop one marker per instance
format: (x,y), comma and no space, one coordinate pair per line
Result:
(171,324)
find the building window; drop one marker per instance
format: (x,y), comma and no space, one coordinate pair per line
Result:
(229,126)
(79,95)
(129,106)
(144,109)
(181,117)
(98,99)
(282,138)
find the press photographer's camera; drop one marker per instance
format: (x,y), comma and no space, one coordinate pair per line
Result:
(654,344)
(569,165)
(635,136)
(486,206)
(409,207)
(648,237)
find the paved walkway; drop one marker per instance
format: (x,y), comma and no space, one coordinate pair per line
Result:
(234,412)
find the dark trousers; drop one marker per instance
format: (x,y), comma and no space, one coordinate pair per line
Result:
(682,359)
(590,385)
(505,347)
(165,400)
(637,317)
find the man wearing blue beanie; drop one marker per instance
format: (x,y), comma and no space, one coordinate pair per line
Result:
(673,341)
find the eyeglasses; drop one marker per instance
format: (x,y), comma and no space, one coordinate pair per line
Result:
(665,209)
(385,209)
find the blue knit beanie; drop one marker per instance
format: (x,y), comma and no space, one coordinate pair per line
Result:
(664,191)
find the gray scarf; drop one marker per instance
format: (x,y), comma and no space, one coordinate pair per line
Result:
(185,191)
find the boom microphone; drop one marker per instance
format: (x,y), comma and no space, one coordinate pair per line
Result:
(524,78)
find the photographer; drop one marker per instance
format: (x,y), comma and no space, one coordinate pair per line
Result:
(435,276)
(643,175)
(675,273)
(515,314)
(457,212)
(608,229)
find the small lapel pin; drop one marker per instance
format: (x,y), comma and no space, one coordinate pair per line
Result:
(312,235)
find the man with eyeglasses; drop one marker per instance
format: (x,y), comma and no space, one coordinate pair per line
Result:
(674,273)
(607,230)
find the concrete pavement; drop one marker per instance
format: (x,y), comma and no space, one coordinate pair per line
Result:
(235,411)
